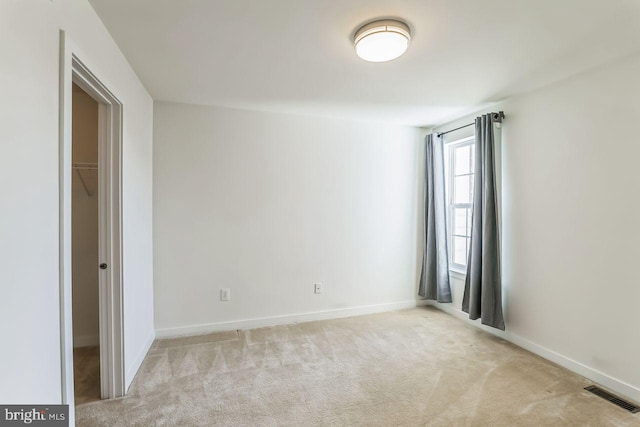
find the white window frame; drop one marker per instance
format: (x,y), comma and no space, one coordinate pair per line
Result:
(451,205)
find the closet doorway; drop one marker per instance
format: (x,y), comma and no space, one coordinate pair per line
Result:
(91,296)
(84,247)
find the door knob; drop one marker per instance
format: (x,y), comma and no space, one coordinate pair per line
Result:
(103,266)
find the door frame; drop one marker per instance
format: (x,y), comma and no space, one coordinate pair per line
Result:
(74,70)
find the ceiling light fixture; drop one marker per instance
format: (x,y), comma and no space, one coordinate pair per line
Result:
(382,40)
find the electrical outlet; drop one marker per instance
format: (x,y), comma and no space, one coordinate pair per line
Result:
(225,294)
(318,288)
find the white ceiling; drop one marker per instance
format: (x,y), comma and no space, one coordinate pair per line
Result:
(297,56)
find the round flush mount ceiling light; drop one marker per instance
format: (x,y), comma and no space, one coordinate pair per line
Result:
(382,40)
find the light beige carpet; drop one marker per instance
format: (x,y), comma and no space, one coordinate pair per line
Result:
(86,374)
(407,368)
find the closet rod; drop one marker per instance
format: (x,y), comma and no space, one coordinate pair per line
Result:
(85,166)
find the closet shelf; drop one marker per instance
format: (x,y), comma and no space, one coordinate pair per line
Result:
(80,166)
(85,166)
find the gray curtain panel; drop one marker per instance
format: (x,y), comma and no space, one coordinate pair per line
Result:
(483,285)
(434,279)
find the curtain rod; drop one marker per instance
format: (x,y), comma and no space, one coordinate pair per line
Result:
(497,117)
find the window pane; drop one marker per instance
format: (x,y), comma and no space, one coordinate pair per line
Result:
(469,222)
(473,156)
(460,250)
(462,160)
(460,221)
(461,189)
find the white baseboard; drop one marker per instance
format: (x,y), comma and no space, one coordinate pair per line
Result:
(614,384)
(133,370)
(86,341)
(283,320)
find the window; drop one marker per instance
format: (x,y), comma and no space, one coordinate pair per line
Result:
(460,158)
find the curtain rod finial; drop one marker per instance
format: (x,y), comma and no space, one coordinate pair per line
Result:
(497,117)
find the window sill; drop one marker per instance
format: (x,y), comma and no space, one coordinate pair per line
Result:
(458,274)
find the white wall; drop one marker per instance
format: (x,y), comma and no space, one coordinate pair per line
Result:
(268,204)
(29,83)
(84,222)
(571,209)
